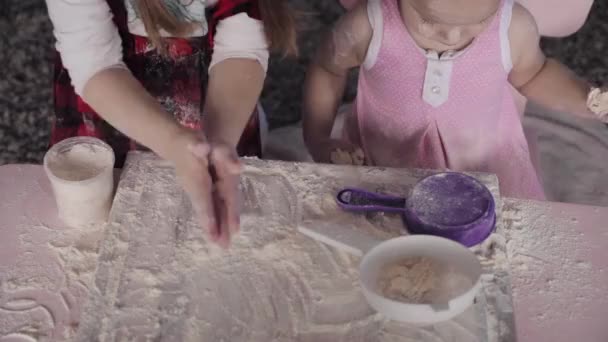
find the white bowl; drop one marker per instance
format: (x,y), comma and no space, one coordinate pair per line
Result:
(456,256)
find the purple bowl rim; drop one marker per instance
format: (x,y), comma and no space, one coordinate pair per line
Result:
(459,238)
(438,229)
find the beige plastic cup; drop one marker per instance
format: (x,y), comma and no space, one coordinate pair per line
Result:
(81,172)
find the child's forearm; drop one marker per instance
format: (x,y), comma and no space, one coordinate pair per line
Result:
(344,48)
(557,88)
(124,103)
(323,92)
(234,88)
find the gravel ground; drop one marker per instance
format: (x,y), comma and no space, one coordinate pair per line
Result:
(25,69)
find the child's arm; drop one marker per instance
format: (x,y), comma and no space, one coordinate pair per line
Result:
(91,50)
(540,79)
(236,73)
(234,88)
(236,78)
(343,48)
(123,102)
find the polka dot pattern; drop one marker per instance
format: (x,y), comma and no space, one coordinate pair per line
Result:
(477,128)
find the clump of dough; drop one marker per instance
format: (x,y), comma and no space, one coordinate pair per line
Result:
(597,101)
(342,157)
(410,280)
(421,280)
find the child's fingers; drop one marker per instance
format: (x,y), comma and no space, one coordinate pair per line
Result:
(200,193)
(345,153)
(228,169)
(224,235)
(226,159)
(597,102)
(341,157)
(201,151)
(358,157)
(199,187)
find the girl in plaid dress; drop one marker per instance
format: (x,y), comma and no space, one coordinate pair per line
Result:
(180,77)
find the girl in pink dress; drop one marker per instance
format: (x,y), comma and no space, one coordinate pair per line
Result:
(435,87)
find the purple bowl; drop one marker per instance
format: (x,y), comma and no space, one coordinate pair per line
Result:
(450,205)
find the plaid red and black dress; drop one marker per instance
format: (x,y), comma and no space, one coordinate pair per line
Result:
(178,81)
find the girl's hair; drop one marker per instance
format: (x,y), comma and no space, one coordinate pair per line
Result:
(278,18)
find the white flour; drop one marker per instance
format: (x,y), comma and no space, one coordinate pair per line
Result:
(158,279)
(422,280)
(269,285)
(532,245)
(50,271)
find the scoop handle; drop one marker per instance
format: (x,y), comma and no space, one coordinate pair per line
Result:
(358,200)
(347,238)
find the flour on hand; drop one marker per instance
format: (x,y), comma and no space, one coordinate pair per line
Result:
(597,102)
(342,157)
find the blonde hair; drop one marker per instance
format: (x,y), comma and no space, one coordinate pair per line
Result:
(278,18)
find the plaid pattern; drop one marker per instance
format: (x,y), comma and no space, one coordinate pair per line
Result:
(177,81)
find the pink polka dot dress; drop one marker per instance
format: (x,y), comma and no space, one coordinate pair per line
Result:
(456,111)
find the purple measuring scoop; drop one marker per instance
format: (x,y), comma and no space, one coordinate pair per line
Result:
(451,205)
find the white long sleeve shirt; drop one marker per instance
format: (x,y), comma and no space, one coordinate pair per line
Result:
(88,40)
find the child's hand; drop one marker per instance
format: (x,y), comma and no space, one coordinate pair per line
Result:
(597,102)
(340,152)
(210,173)
(344,157)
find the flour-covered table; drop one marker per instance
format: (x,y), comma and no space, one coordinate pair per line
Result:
(45,267)
(559,270)
(157,278)
(556,253)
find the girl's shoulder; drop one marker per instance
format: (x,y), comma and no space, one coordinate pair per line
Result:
(354,30)
(523,31)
